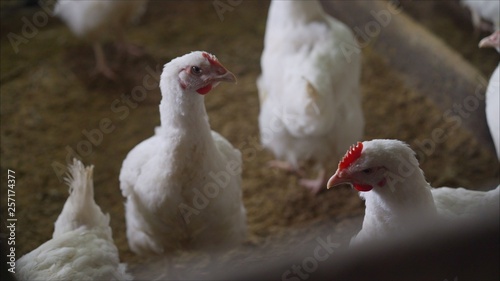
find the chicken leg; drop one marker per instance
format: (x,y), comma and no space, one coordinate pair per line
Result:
(283,165)
(315,185)
(101,64)
(125,47)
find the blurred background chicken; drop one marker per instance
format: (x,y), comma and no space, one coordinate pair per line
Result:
(82,246)
(493,93)
(183,185)
(96,20)
(485,14)
(397,196)
(309,88)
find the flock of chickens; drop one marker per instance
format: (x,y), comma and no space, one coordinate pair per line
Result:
(183,185)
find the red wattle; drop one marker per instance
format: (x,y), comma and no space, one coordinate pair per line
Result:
(363,187)
(204,90)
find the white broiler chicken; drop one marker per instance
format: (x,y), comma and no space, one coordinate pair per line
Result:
(484,10)
(309,88)
(493,93)
(82,246)
(95,20)
(396,194)
(183,185)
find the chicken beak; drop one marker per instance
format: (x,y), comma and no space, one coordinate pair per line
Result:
(491,41)
(227,76)
(337,179)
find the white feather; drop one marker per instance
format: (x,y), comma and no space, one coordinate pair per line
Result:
(492,101)
(484,9)
(82,246)
(493,108)
(96,19)
(461,202)
(309,87)
(405,200)
(183,185)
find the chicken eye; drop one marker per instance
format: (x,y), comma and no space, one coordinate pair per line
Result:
(367,171)
(196,70)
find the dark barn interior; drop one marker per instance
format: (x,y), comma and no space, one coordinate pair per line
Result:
(422,62)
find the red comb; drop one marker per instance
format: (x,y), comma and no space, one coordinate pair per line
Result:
(351,155)
(212,59)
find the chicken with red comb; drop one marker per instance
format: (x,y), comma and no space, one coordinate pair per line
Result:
(397,196)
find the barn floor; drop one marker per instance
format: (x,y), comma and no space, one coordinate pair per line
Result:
(50,101)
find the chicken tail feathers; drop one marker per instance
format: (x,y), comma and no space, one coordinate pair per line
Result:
(80,208)
(80,181)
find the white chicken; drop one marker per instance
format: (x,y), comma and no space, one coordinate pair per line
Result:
(95,20)
(183,185)
(493,93)
(396,194)
(82,246)
(309,88)
(484,10)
